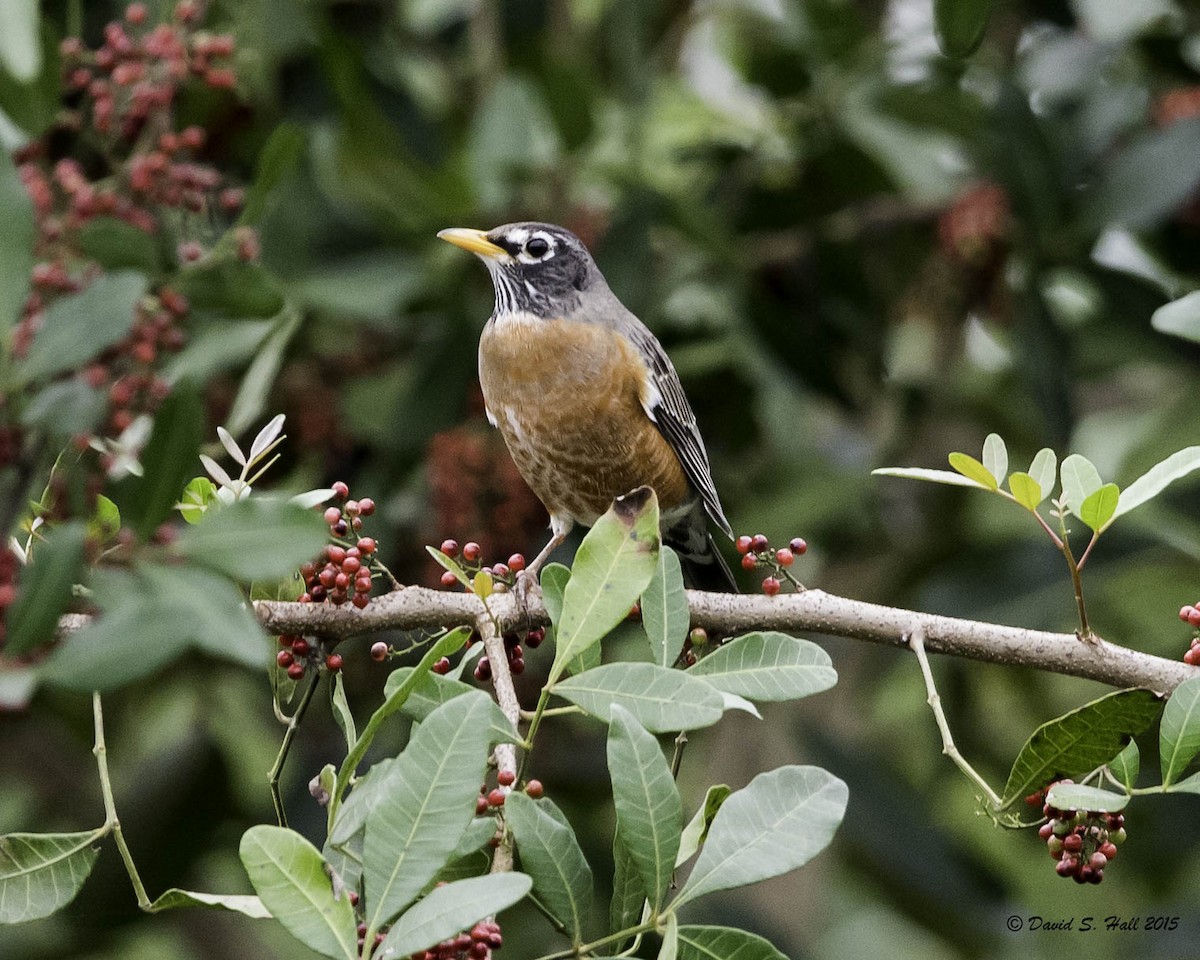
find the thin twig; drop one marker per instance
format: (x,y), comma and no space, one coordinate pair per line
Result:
(111,821)
(288,735)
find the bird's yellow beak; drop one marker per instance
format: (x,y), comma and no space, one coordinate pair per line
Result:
(475,241)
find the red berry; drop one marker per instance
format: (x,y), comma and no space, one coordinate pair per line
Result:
(1183,613)
(351,566)
(496,797)
(441,667)
(366,506)
(366,546)
(284,658)
(353,508)
(770,586)
(516,563)
(449,548)
(300,647)
(481,806)
(759,543)
(379,651)
(1192,657)
(296,671)
(742,544)
(499,571)
(333,662)
(1194,616)
(798,546)
(534,789)
(517,666)
(335,553)
(360,599)
(332,515)
(449,579)
(534,638)
(749,561)
(340,490)
(1109,849)
(506,778)
(784,557)
(1066,866)
(471,551)
(483,670)
(327,576)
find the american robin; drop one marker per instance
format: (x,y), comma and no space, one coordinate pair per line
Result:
(586,398)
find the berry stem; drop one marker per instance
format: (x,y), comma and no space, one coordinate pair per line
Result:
(1085,631)
(916,643)
(288,735)
(588,948)
(112,823)
(506,696)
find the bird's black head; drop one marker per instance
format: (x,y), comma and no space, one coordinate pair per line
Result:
(536,268)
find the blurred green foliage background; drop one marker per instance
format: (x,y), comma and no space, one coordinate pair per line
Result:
(859,253)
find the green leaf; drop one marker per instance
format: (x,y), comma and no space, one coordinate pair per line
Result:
(106,521)
(1126,764)
(79,326)
(32,105)
(1148,180)
(169,460)
(553,580)
(449,563)
(280,155)
(198,496)
(40,873)
(724,943)
(1077,796)
(217,346)
(1180,318)
(259,379)
(1080,479)
(65,408)
(341,710)
(778,822)
(767,666)
(432,691)
(995,457)
(649,811)
(1080,741)
(1098,508)
(960,25)
(288,874)
(627,906)
(972,469)
(665,613)
(613,566)
(550,854)
(16,244)
(44,588)
(696,831)
(1151,483)
(117,245)
(921,473)
(1189,785)
(669,949)
(235,902)
(661,700)
(20,48)
(228,287)
(1044,470)
(1027,490)
(425,804)
(448,910)
(1179,733)
(255,539)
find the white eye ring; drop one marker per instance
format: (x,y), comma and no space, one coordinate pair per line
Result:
(543,248)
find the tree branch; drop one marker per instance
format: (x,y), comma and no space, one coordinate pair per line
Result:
(813,610)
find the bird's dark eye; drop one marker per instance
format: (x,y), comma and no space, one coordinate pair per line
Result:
(537,247)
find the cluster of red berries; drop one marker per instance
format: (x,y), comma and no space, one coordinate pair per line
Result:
(298,654)
(476,944)
(342,572)
(9,566)
(493,798)
(503,574)
(756,551)
(513,653)
(362,930)
(1082,842)
(1190,615)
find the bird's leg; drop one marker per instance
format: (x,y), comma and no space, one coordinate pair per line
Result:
(559,527)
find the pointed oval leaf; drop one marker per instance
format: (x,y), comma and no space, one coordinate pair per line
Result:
(235,902)
(612,567)
(1079,741)
(649,811)
(551,855)
(449,910)
(665,613)
(1078,796)
(45,588)
(168,459)
(776,823)
(289,876)
(628,904)
(449,563)
(972,469)
(1098,509)
(40,873)
(922,473)
(1179,317)
(266,436)
(426,804)
(1027,490)
(995,457)
(553,580)
(1044,469)
(1188,785)
(256,539)
(697,828)
(1126,765)
(662,700)
(724,943)
(216,471)
(1080,479)
(669,948)
(767,666)
(960,25)
(16,243)
(231,446)
(1157,478)
(1179,733)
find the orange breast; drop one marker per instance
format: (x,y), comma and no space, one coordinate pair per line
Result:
(566,397)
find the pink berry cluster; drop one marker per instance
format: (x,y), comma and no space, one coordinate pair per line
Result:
(1081,841)
(471,561)
(343,570)
(475,944)
(513,653)
(299,654)
(757,552)
(9,566)
(1190,615)
(493,798)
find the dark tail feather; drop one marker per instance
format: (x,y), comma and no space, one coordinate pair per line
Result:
(707,571)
